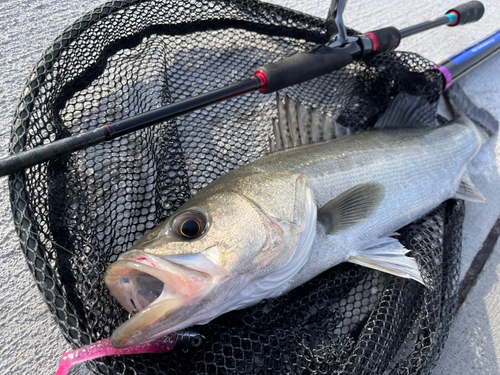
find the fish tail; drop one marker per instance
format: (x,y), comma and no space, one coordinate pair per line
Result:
(462,107)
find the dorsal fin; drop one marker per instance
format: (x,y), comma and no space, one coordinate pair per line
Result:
(408,111)
(298,125)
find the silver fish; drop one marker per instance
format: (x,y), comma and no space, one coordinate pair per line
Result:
(267,227)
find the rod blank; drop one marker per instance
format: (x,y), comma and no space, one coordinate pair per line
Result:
(298,68)
(51,151)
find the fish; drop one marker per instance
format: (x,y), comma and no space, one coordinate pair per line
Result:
(269,226)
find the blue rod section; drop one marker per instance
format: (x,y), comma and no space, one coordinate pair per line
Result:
(477,49)
(469,59)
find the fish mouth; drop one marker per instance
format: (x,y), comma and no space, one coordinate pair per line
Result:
(154,288)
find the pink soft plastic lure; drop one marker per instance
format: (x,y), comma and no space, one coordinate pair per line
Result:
(103,348)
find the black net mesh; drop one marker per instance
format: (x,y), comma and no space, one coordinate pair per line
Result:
(75,215)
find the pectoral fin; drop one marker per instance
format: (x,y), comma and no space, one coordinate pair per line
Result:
(387,255)
(352,207)
(467,191)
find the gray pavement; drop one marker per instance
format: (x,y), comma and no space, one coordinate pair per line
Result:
(30,341)
(474,343)
(473,346)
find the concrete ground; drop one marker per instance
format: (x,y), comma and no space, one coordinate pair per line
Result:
(30,340)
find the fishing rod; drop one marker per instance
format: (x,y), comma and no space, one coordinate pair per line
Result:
(459,65)
(339,51)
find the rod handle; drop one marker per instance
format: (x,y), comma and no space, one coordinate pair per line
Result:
(302,67)
(467,13)
(386,39)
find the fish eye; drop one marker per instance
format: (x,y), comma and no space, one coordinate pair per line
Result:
(190,224)
(190,228)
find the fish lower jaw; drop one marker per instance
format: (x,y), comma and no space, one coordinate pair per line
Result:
(165,315)
(141,328)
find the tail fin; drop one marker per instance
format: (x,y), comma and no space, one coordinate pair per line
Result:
(462,106)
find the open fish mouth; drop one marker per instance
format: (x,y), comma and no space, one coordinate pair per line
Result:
(154,288)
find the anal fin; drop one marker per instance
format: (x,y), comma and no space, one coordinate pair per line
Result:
(387,255)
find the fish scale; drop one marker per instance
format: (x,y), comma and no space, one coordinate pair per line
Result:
(419,169)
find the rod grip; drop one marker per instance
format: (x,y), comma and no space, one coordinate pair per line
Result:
(388,38)
(468,12)
(302,67)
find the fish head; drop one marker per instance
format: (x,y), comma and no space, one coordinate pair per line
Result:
(195,265)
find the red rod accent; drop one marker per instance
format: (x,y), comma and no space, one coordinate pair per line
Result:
(109,130)
(456,15)
(263,78)
(374,40)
